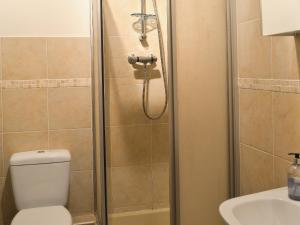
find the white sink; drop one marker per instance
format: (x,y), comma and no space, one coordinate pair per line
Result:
(265,208)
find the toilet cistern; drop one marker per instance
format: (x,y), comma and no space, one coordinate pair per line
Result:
(40,181)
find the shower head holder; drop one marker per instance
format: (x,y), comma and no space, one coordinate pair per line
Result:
(143,15)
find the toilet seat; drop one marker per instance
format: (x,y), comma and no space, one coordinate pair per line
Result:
(51,215)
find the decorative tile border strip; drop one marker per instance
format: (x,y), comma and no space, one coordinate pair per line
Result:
(290,86)
(46,83)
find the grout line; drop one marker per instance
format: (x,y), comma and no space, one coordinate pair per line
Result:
(151,165)
(275,85)
(46,83)
(258,19)
(41,131)
(134,165)
(81,170)
(128,209)
(271,57)
(273,138)
(27,131)
(71,129)
(147,164)
(282,158)
(1,113)
(149,123)
(2,152)
(2,133)
(257,149)
(47,90)
(130,125)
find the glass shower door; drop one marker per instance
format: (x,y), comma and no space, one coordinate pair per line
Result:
(136,111)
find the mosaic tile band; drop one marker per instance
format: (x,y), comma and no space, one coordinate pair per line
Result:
(290,86)
(46,83)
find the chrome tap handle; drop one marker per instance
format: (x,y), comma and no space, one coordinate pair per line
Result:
(133,59)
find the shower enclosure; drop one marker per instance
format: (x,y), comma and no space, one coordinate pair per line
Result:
(136,133)
(136,119)
(148,127)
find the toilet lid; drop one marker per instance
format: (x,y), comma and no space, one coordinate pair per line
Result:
(52,215)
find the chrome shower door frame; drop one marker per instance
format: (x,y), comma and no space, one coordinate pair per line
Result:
(174,151)
(174,182)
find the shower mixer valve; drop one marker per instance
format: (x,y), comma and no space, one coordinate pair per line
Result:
(133,59)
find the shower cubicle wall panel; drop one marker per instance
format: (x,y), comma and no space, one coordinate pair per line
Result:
(201,106)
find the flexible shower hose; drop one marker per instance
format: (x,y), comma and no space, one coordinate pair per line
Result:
(163,67)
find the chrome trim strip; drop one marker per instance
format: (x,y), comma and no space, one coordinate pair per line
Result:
(174,158)
(102,176)
(233,100)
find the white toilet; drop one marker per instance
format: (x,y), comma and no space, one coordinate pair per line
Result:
(40,181)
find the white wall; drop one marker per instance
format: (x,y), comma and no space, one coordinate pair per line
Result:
(44,18)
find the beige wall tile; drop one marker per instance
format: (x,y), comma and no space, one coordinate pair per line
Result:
(69,108)
(1,110)
(160,143)
(19,142)
(2,180)
(130,132)
(120,68)
(81,192)
(286,124)
(115,13)
(69,57)
(1,67)
(122,46)
(79,142)
(130,145)
(25,110)
(164,119)
(7,221)
(281,172)
(247,10)
(265,57)
(254,51)
(284,58)
(131,186)
(161,205)
(156,95)
(24,58)
(256,170)
(117,22)
(297,44)
(1,157)
(124,103)
(256,119)
(160,173)
(9,209)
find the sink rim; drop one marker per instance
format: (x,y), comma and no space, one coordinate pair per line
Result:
(227,207)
